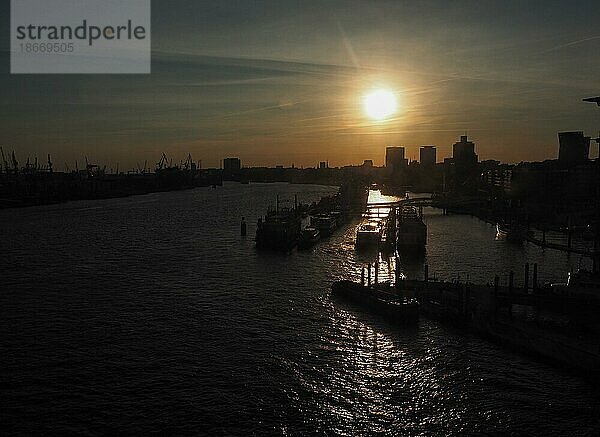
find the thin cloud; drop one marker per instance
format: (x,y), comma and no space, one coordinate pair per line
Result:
(572,43)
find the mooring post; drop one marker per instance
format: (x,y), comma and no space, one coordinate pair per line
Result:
(596,253)
(426,272)
(526,280)
(535,276)
(362,276)
(397,271)
(511,280)
(369,276)
(544,237)
(243,227)
(376,272)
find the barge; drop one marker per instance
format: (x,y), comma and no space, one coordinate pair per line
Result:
(280,230)
(412,232)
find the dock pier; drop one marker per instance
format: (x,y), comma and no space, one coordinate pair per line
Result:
(555,325)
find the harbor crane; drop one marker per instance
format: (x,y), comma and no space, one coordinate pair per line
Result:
(4,161)
(163,163)
(189,163)
(15,163)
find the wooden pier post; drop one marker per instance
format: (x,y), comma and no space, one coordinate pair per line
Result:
(543,237)
(243,227)
(511,283)
(362,276)
(376,272)
(569,233)
(596,253)
(426,272)
(369,276)
(535,277)
(397,272)
(526,279)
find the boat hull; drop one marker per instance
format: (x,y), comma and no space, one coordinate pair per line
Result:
(411,235)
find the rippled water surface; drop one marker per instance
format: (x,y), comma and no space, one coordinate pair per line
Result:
(152,314)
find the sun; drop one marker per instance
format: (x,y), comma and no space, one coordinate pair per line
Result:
(380,104)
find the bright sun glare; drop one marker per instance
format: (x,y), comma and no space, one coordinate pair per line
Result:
(380,104)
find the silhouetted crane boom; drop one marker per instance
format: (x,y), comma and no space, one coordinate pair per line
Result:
(4,161)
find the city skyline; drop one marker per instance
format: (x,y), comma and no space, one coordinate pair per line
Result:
(282,84)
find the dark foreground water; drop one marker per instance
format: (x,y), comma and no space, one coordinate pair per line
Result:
(151,314)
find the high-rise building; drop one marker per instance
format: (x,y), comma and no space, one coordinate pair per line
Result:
(463,153)
(232,168)
(428,156)
(232,165)
(574,147)
(394,158)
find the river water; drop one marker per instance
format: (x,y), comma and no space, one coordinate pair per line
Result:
(152,314)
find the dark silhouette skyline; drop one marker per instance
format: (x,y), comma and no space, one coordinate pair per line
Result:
(282,83)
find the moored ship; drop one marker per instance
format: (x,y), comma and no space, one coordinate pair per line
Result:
(368,235)
(308,237)
(511,231)
(280,230)
(325,223)
(412,231)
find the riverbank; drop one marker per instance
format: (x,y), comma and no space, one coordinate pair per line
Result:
(47,188)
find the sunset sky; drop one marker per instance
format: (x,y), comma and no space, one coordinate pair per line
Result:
(282,82)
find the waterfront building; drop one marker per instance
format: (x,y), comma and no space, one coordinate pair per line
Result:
(428,156)
(232,164)
(574,148)
(232,169)
(463,153)
(394,158)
